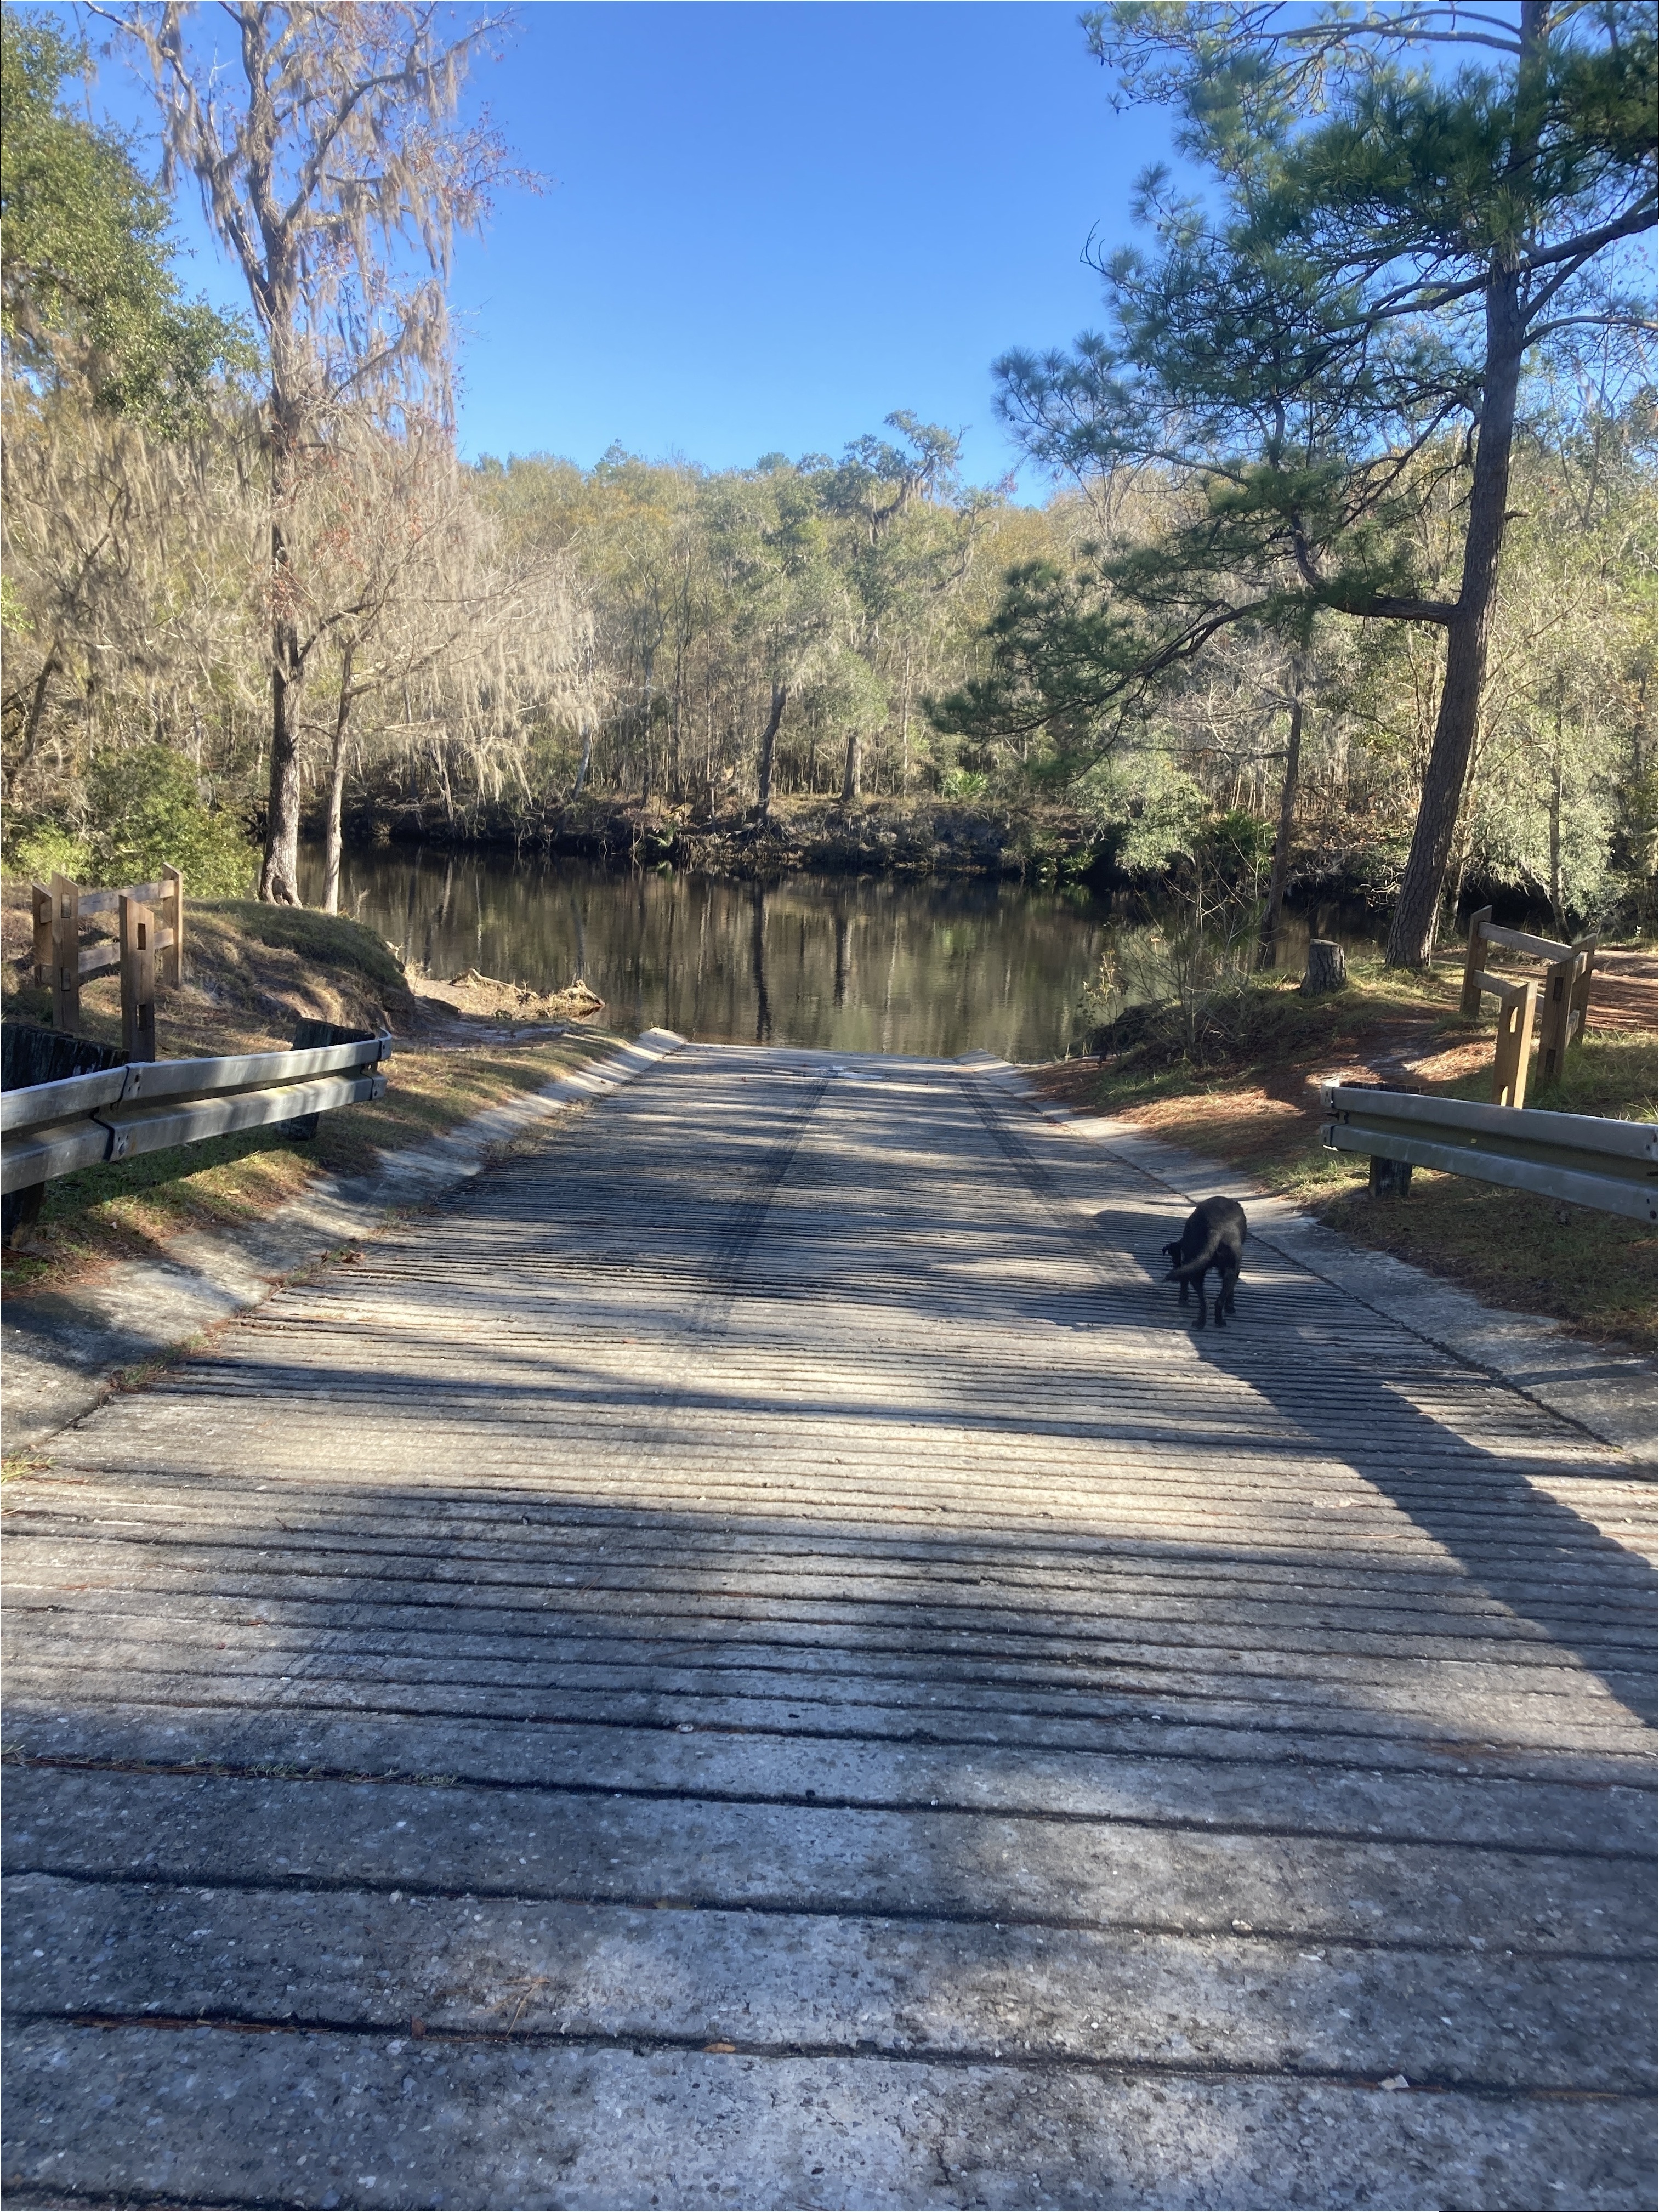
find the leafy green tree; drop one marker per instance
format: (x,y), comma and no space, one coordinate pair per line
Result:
(146,812)
(786,599)
(1339,321)
(87,291)
(913,530)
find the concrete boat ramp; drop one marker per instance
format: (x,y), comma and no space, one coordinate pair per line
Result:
(755,1660)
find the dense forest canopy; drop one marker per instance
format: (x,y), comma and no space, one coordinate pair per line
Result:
(250,586)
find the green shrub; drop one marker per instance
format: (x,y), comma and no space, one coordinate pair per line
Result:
(40,850)
(145,811)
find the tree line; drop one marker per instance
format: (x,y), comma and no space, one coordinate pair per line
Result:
(1348,544)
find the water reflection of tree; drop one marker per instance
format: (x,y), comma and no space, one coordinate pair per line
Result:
(757,961)
(579,919)
(933,967)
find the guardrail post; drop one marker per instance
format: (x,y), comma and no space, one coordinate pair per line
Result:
(172,918)
(1511,1060)
(137,980)
(308,1035)
(65,955)
(1388,1178)
(1582,1158)
(1473,962)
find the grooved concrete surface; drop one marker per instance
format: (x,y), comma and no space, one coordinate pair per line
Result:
(758,1661)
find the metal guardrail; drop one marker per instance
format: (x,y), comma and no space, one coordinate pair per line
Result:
(52,1128)
(1580,1157)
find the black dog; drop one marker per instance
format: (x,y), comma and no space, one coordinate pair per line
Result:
(1213,1237)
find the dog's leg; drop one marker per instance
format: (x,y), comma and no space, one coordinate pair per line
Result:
(1199,1287)
(1185,1287)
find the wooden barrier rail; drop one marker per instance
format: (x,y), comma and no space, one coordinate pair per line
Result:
(63,910)
(1563,995)
(1612,1166)
(52,1128)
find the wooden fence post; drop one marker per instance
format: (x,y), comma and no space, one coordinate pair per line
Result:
(137,980)
(1511,1061)
(1567,1001)
(41,900)
(1584,952)
(1475,961)
(1555,1030)
(65,955)
(172,918)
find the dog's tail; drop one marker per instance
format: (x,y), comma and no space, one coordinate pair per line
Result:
(1193,1269)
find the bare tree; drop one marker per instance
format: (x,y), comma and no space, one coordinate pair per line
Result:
(126,560)
(330,164)
(410,595)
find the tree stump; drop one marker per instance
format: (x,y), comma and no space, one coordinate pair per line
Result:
(1328,967)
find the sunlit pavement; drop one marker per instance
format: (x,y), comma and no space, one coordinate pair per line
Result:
(760,1661)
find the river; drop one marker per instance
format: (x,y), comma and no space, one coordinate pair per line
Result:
(936,966)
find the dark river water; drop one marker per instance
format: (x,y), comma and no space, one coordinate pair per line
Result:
(936,967)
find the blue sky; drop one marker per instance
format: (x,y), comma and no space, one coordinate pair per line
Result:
(765,226)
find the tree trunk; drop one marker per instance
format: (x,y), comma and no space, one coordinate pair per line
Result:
(850,780)
(676,773)
(1411,937)
(279,876)
(279,873)
(1270,920)
(337,789)
(769,748)
(650,696)
(1557,918)
(1462,843)
(587,760)
(904,731)
(49,668)
(1328,967)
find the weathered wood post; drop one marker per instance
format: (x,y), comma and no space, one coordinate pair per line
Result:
(173,918)
(1566,1002)
(1555,1025)
(65,955)
(1511,1060)
(41,898)
(137,980)
(1328,967)
(1474,961)
(1585,950)
(1388,1178)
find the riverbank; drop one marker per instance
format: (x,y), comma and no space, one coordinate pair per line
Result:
(1258,1112)
(803,836)
(1038,842)
(251,972)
